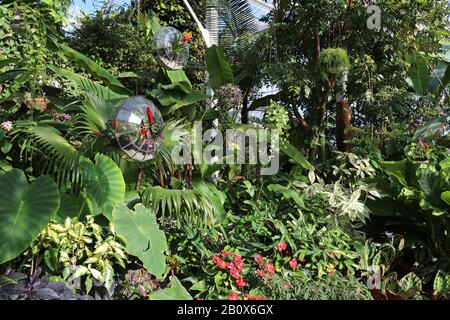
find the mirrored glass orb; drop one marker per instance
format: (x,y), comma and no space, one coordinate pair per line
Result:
(170,50)
(136,128)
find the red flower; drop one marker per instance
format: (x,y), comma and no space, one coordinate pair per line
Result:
(261,274)
(293,263)
(258,258)
(234,296)
(229,265)
(199,298)
(216,259)
(219,262)
(331,255)
(239,265)
(241,283)
(236,257)
(225,253)
(235,273)
(269,268)
(286,286)
(186,37)
(255,298)
(281,246)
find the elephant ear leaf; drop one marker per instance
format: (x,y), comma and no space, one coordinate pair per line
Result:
(25,209)
(142,235)
(104,183)
(176,291)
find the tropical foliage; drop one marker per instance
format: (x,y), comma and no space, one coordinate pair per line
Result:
(358,209)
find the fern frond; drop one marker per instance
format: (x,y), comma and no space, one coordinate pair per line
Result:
(60,157)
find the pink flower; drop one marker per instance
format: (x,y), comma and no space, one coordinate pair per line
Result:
(258,258)
(269,268)
(6,126)
(281,246)
(199,298)
(331,255)
(234,296)
(261,274)
(225,253)
(241,283)
(286,286)
(293,263)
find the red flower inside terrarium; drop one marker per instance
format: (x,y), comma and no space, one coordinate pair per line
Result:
(172,48)
(136,129)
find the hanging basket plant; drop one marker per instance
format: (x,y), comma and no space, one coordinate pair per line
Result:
(172,48)
(333,62)
(37,103)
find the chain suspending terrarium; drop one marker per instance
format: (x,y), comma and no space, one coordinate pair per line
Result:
(136,128)
(171,48)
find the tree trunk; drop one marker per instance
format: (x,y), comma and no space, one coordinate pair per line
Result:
(343,123)
(244,112)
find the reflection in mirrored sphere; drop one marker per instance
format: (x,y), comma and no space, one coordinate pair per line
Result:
(136,128)
(170,50)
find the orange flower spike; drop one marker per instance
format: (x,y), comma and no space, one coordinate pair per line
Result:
(186,37)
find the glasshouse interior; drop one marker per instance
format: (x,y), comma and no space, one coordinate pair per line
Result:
(224,150)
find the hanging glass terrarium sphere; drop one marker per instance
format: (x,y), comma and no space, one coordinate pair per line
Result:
(171,48)
(136,128)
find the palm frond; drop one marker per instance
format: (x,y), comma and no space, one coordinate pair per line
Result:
(60,157)
(189,205)
(95,114)
(235,17)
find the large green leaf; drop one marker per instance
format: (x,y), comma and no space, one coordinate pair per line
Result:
(404,171)
(219,70)
(419,75)
(430,128)
(179,76)
(189,99)
(104,183)
(295,155)
(432,185)
(24,211)
(143,237)
(439,78)
(176,291)
(86,84)
(94,69)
